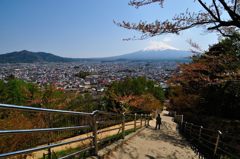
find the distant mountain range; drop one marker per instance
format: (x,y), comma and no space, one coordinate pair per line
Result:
(25,56)
(173,55)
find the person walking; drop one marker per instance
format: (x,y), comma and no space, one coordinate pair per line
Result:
(158,122)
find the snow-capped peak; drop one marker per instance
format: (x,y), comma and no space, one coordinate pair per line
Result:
(158,45)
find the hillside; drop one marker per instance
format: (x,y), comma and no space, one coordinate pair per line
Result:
(25,56)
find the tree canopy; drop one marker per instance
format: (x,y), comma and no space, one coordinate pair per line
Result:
(222,16)
(135,95)
(210,84)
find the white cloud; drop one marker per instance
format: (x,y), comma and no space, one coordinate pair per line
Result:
(159,45)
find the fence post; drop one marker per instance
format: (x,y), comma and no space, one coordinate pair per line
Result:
(123,125)
(135,122)
(149,116)
(48,122)
(181,123)
(145,120)
(94,123)
(191,129)
(181,120)
(185,128)
(141,120)
(217,143)
(200,133)
(49,152)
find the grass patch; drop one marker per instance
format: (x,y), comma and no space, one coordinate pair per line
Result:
(56,155)
(110,139)
(107,141)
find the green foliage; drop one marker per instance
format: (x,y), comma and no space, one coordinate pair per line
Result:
(231,45)
(2,91)
(52,96)
(69,151)
(110,139)
(33,90)
(136,86)
(83,102)
(134,94)
(17,92)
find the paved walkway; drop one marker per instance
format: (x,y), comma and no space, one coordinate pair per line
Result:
(156,144)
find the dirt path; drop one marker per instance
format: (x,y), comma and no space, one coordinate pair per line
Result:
(156,144)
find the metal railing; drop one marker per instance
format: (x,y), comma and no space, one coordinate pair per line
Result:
(209,143)
(62,122)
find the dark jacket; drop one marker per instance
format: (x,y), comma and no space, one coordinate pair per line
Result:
(159,120)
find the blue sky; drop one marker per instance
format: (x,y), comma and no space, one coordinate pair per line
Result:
(78,28)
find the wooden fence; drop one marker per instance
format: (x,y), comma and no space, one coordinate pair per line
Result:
(209,143)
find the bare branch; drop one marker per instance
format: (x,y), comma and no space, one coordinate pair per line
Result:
(139,3)
(235,6)
(217,10)
(210,18)
(231,13)
(208,9)
(196,49)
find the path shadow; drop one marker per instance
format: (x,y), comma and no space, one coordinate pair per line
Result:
(165,134)
(150,157)
(130,150)
(161,156)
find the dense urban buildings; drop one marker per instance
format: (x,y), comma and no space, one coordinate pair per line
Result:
(87,76)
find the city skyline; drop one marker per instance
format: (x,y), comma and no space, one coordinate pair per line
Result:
(86,29)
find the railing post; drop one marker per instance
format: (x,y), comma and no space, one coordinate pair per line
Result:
(135,122)
(145,120)
(141,120)
(185,128)
(123,125)
(49,153)
(217,143)
(200,133)
(148,120)
(191,129)
(181,120)
(49,135)
(94,123)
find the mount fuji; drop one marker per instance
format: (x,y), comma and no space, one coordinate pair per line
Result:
(160,52)
(168,54)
